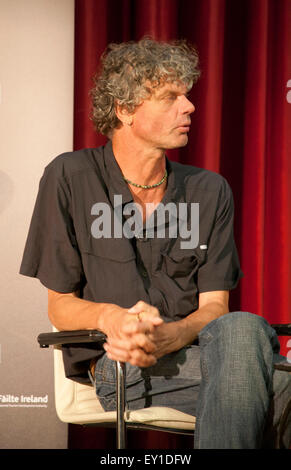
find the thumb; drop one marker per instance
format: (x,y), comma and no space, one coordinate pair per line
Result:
(139,307)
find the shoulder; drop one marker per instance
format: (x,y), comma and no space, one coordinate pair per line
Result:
(67,164)
(199,179)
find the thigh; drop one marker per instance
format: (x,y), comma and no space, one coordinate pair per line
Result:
(172,382)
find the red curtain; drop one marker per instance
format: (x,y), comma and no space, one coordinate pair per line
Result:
(242,124)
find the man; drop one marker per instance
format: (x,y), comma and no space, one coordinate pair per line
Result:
(162,304)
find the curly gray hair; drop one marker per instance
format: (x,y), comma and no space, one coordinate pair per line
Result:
(130,72)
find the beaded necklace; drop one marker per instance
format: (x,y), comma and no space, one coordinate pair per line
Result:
(148,186)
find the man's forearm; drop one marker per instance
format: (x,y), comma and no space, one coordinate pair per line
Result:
(170,337)
(69,312)
(190,326)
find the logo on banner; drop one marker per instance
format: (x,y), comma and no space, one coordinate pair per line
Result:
(23,401)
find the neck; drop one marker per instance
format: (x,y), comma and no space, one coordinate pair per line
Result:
(141,165)
(138,163)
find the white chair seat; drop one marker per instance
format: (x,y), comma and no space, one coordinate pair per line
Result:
(78,404)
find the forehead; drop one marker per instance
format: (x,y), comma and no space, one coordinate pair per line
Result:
(178,88)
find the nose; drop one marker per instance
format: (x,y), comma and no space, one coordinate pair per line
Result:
(187,106)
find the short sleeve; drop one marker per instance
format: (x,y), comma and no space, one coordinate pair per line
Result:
(221,269)
(51,253)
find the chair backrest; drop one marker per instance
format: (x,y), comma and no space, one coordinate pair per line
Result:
(78,404)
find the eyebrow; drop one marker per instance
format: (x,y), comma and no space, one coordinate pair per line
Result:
(171,93)
(168,93)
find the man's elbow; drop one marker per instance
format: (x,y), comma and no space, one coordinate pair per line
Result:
(57,303)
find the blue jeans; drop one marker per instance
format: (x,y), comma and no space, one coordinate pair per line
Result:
(226,380)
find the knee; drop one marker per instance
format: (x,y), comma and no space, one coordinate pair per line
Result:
(243,327)
(243,321)
(243,341)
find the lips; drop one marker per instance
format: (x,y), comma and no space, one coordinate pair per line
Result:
(185,127)
(185,124)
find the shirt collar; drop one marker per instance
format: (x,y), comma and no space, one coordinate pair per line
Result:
(116,183)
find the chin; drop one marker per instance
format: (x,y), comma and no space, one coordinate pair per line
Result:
(179,143)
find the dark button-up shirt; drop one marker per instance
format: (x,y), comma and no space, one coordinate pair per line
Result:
(69,249)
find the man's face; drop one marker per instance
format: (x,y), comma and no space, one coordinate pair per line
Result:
(163,120)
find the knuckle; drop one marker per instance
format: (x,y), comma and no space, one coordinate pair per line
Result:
(138,355)
(142,341)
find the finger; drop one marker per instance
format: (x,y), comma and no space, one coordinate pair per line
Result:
(143,307)
(122,344)
(117,354)
(145,343)
(138,307)
(141,359)
(139,340)
(155,320)
(136,357)
(150,317)
(141,326)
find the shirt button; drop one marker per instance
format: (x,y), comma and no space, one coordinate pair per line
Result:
(144,273)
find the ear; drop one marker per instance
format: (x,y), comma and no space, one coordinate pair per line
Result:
(123,115)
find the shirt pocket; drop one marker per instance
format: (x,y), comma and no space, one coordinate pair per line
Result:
(179,265)
(110,270)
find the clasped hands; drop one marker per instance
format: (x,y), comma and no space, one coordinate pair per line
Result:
(137,335)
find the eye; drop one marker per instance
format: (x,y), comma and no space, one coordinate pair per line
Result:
(171,97)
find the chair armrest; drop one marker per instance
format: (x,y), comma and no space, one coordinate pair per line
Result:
(70,337)
(94,336)
(286,366)
(282,329)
